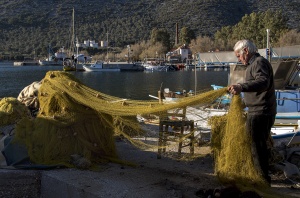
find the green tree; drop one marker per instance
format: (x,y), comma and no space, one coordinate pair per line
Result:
(221,38)
(186,35)
(253,27)
(276,22)
(160,36)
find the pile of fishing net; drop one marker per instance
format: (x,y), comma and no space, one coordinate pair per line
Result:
(11,111)
(75,120)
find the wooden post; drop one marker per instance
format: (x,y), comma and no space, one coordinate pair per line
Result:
(159,97)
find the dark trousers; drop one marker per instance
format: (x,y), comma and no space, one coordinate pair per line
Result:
(259,127)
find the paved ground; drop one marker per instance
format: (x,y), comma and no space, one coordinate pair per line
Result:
(152,177)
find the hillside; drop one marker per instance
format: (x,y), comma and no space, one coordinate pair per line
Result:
(30,25)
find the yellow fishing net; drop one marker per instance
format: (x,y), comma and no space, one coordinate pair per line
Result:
(231,146)
(11,111)
(75,119)
(230,135)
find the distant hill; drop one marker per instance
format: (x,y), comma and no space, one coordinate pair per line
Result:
(28,26)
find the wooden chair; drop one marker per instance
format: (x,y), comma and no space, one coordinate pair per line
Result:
(184,137)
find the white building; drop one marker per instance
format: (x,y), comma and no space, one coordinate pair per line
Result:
(90,43)
(104,44)
(180,54)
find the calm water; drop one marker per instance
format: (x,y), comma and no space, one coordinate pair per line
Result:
(132,85)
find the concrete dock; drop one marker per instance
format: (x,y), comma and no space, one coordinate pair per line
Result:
(166,177)
(150,178)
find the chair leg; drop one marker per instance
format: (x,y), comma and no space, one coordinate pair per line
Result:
(180,140)
(165,136)
(192,139)
(160,139)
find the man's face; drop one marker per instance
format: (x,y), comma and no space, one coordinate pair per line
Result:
(243,57)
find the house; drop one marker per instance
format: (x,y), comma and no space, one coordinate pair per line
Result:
(179,55)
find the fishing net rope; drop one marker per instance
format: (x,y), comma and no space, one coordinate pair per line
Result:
(75,119)
(231,146)
(228,135)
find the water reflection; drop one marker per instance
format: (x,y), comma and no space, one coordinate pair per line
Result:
(133,85)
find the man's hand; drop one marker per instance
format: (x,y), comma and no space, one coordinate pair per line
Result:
(235,89)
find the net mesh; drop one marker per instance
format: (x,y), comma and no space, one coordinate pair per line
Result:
(231,146)
(11,111)
(75,119)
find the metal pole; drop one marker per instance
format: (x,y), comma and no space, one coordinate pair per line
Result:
(107,46)
(268,45)
(196,73)
(77,47)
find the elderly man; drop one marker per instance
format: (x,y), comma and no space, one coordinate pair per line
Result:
(259,97)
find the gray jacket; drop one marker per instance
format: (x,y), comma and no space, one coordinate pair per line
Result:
(259,92)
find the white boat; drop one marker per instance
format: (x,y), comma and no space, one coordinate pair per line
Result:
(54,59)
(157,67)
(81,58)
(214,65)
(51,62)
(154,64)
(98,66)
(72,58)
(287,91)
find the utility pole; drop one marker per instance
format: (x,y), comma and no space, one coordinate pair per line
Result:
(268,50)
(107,45)
(128,53)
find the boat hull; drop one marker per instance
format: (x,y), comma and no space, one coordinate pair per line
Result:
(51,63)
(89,69)
(151,67)
(69,68)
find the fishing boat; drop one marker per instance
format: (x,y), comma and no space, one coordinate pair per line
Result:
(287,91)
(157,67)
(53,59)
(51,62)
(98,66)
(154,64)
(69,65)
(81,58)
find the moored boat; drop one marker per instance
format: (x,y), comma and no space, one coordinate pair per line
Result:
(50,62)
(69,65)
(26,62)
(53,59)
(160,67)
(153,64)
(98,66)
(81,58)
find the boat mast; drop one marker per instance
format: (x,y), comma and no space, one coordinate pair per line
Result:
(73,40)
(49,55)
(72,47)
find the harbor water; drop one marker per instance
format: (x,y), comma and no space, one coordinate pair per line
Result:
(130,85)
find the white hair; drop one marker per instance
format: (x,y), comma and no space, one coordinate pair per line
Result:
(242,44)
